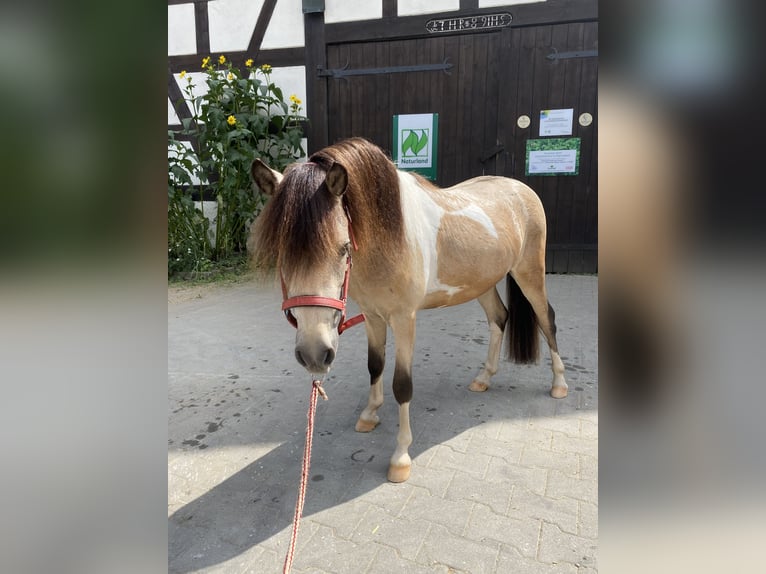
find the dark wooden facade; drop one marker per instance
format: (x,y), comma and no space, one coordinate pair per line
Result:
(497,75)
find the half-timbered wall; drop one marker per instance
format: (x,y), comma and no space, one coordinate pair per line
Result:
(544,58)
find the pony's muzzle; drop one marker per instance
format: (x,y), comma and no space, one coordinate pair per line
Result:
(315,358)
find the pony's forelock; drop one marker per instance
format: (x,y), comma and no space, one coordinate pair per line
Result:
(297,230)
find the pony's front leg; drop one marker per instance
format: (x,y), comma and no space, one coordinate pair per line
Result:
(404,338)
(376,359)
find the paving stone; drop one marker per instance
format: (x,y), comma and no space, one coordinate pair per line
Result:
(474,463)
(404,534)
(561,485)
(563,461)
(563,512)
(569,444)
(442,548)
(496,495)
(511,560)
(328,553)
(557,546)
(388,561)
(587,521)
(452,514)
(523,534)
(534,479)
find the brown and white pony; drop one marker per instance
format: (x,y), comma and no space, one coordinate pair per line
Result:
(414,246)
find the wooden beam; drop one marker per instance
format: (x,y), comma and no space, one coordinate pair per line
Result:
(176,97)
(316,87)
(277,58)
(260,27)
(202,27)
(390,8)
(542,13)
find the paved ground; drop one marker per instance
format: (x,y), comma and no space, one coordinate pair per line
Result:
(502,481)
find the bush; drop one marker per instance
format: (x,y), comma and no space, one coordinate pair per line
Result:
(240,118)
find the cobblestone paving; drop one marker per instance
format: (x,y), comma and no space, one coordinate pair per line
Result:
(502,481)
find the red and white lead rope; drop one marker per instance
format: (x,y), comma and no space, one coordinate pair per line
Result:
(316,390)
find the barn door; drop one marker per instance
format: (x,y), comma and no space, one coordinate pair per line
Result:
(464,94)
(489,80)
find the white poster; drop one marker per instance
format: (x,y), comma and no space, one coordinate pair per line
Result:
(556,122)
(414,140)
(553,161)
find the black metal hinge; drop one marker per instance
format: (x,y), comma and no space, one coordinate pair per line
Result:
(344,72)
(556,55)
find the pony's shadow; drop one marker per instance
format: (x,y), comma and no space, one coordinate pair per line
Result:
(256,503)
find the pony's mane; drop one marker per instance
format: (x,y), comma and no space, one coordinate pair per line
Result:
(296,228)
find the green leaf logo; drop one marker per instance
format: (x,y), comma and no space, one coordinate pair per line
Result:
(414,141)
(422,142)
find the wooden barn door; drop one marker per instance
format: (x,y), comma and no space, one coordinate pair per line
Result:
(494,78)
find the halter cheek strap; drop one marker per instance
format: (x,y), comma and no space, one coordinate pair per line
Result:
(318,301)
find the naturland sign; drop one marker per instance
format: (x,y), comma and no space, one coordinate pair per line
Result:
(416,139)
(483,22)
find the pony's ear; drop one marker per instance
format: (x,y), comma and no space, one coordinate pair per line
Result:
(264,177)
(337,179)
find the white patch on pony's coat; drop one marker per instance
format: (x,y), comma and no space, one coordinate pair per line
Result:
(477,214)
(423,230)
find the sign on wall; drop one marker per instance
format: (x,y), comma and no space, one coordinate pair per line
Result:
(553,156)
(481,22)
(556,122)
(415,143)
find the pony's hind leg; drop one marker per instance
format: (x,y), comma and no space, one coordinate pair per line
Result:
(530,285)
(376,360)
(497,315)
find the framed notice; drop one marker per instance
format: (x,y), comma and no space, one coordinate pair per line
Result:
(553,156)
(415,139)
(556,122)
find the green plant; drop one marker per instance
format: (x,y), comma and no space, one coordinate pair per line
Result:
(240,118)
(189,247)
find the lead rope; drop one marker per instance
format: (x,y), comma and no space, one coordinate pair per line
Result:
(316,390)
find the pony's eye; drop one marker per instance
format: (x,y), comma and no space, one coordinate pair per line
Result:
(346,249)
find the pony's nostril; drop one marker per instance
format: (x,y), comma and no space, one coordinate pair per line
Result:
(299,357)
(329,357)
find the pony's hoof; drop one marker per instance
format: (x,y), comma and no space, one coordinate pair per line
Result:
(477,386)
(365,426)
(559,392)
(398,473)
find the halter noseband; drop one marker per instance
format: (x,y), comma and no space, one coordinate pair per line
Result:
(318,301)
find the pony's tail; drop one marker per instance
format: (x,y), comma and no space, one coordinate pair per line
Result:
(523,345)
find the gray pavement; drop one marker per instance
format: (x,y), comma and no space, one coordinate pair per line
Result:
(502,481)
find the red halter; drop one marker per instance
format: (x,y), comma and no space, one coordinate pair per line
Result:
(318,301)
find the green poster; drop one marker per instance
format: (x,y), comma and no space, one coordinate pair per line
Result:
(553,156)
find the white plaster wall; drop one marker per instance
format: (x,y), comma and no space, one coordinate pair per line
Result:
(292,80)
(411,7)
(491,3)
(351,10)
(286,26)
(232,23)
(182,38)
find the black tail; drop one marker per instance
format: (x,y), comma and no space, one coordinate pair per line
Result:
(523,340)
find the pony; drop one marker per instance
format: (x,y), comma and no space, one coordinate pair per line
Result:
(414,246)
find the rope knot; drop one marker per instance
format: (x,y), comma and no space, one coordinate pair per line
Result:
(317,384)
